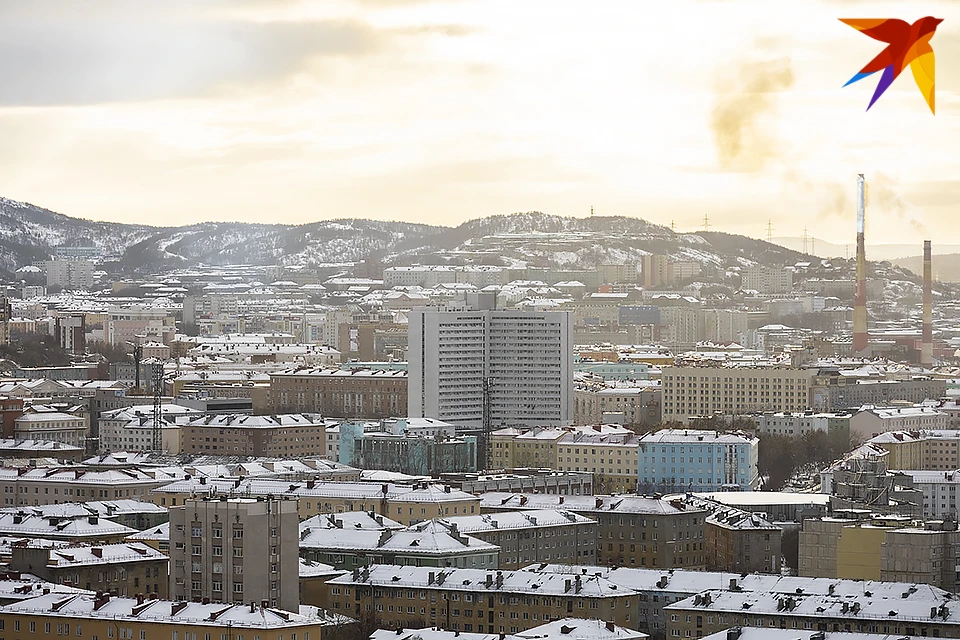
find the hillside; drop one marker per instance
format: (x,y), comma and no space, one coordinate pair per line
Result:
(946,268)
(29,233)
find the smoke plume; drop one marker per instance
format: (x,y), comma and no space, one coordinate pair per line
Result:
(737,119)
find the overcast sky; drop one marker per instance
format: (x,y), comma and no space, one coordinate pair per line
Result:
(440,111)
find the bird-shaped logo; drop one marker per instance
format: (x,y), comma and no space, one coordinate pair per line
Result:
(907,44)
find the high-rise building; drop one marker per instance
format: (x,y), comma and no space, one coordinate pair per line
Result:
(474,365)
(236,550)
(69,274)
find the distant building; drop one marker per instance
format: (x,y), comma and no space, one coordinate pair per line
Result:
(677,460)
(52,426)
(236,550)
(764,279)
(871,421)
(69,274)
(412,454)
(356,393)
(518,363)
(290,435)
(70,332)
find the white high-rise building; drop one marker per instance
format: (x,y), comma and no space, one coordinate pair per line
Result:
(523,358)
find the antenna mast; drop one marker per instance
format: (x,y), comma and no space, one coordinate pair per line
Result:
(157,403)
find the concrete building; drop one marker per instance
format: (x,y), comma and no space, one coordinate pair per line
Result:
(292,435)
(871,421)
(413,454)
(357,393)
(677,460)
(69,274)
(131,428)
(724,325)
(70,333)
(519,362)
(52,426)
(103,616)
(85,529)
(477,599)
(528,537)
(121,569)
(611,458)
(800,424)
(764,279)
(53,485)
(208,540)
(834,392)
(130,324)
(27,449)
(742,542)
(633,404)
(433,543)
(705,391)
(635,531)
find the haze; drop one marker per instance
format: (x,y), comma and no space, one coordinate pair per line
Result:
(441,111)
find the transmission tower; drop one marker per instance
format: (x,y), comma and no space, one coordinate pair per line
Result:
(706,222)
(591,211)
(770,231)
(806,239)
(157,404)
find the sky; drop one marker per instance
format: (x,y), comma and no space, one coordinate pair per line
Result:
(441,111)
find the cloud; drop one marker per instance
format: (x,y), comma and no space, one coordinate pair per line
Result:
(126,60)
(741,103)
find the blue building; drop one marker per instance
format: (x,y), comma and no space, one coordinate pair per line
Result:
(681,460)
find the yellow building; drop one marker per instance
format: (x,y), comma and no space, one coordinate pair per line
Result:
(89,617)
(858,552)
(611,458)
(906,449)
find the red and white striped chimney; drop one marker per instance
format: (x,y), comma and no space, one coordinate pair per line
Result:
(926,346)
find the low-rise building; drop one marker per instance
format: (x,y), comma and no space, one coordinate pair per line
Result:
(870,421)
(130,513)
(53,485)
(526,537)
(92,529)
(677,460)
(636,531)
(611,458)
(433,543)
(25,449)
(291,435)
(563,629)
(742,542)
(101,616)
(477,599)
(800,424)
(122,569)
(52,426)
(355,393)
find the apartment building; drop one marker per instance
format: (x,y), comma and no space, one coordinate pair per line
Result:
(922,449)
(433,543)
(690,392)
(611,458)
(131,428)
(69,274)
(520,361)
(834,392)
(539,447)
(764,279)
(208,541)
(92,616)
(129,513)
(407,504)
(122,569)
(630,403)
(677,460)
(636,531)
(795,425)
(291,435)
(54,485)
(356,393)
(909,612)
(742,542)
(134,322)
(52,426)
(535,536)
(871,421)
(480,600)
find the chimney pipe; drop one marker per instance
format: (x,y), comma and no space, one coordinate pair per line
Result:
(860,295)
(926,346)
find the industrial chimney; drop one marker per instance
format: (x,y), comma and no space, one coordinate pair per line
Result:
(926,346)
(860,295)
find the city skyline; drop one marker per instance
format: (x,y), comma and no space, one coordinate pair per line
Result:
(441,111)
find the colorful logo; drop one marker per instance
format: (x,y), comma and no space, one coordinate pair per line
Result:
(906,44)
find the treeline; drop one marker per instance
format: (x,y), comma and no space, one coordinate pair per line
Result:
(780,456)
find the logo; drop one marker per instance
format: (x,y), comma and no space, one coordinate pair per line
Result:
(907,44)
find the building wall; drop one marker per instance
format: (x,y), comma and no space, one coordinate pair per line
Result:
(281,441)
(236,551)
(564,544)
(742,550)
(365,395)
(705,391)
(858,552)
(118,578)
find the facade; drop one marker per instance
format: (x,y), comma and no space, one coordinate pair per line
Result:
(676,460)
(833,393)
(632,531)
(92,616)
(637,404)
(73,529)
(357,393)
(921,449)
(742,542)
(870,421)
(414,455)
(130,324)
(519,361)
(70,332)
(291,435)
(69,274)
(40,485)
(477,599)
(724,325)
(528,537)
(765,279)
(122,569)
(705,391)
(208,539)
(52,426)
(800,424)
(611,458)
(131,428)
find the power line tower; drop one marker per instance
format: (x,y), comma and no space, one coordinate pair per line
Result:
(706,222)
(591,211)
(673,226)
(770,231)
(157,404)
(806,239)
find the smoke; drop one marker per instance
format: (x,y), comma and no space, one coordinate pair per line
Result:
(883,198)
(737,119)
